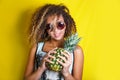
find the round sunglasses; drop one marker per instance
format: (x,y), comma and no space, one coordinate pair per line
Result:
(60,26)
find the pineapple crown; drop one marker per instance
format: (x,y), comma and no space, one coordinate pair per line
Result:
(71,42)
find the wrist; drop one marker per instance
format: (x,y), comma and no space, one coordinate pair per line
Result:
(66,74)
(41,69)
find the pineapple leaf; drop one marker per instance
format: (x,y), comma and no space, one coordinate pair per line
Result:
(71,42)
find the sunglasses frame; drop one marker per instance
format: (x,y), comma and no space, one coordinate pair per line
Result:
(60,26)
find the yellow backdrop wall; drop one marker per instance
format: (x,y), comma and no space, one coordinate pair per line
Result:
(98,23)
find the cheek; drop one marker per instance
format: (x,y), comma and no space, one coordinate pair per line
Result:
(64,30)
(61,32)
(50,33)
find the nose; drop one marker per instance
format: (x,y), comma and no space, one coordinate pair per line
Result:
(55,29)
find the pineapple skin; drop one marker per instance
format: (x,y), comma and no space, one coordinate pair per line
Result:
(55,66)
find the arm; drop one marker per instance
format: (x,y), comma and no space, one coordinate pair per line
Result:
(78,63)
(77,66)
(29,74)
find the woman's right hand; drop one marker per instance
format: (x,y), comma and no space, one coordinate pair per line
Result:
(46,58)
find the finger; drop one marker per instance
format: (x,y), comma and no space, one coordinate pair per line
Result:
(47,60)
(63,58)
(69,57)
(50,56)
(69,54)
(62,63)
(52,51)
(66,55)
(69,62)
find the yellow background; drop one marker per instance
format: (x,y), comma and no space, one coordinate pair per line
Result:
(98,23)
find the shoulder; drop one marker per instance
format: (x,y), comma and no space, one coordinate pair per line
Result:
(30,62)
(78,52)
(32,53)
(33,49)
(78,49)
(78,63)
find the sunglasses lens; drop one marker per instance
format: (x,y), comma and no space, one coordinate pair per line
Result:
(60,25)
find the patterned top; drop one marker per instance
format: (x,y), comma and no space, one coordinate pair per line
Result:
(48,74)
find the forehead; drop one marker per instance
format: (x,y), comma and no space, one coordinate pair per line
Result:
(54,18)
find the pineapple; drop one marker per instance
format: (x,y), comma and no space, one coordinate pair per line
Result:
(69,45)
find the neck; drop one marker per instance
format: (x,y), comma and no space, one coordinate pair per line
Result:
(57,43)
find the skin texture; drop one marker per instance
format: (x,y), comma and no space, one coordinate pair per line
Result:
(56,40)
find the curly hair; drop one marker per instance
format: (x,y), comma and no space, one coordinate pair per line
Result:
(38,30)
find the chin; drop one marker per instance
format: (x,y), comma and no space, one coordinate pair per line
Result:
(58,38)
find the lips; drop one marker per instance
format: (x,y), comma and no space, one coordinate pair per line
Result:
(56,35)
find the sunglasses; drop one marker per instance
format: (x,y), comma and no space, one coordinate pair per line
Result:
(60,26)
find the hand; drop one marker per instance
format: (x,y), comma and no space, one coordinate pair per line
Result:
(46,58)
(67,62)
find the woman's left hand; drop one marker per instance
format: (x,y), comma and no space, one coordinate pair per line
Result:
(67,62)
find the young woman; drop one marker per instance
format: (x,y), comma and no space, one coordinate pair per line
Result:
(51,25)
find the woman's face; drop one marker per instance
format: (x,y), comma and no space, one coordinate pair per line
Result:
(56,27)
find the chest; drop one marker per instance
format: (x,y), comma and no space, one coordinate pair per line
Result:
(48,47)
